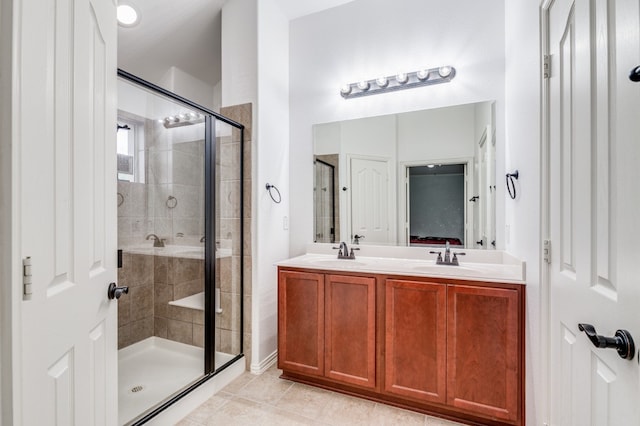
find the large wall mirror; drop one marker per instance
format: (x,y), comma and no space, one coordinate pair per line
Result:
(421,178)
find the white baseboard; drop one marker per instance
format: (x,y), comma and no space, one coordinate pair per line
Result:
(264,365)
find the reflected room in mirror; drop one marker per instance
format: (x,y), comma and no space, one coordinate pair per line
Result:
(421,178)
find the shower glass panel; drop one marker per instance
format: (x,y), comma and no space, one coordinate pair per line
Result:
(323,202)
(180,232)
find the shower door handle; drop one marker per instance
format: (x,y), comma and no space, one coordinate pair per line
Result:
(114,292)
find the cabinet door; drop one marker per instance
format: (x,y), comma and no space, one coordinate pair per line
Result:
(483,366)
(415,340)
(350,329)
(301,322)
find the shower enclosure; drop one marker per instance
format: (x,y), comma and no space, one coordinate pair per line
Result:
(180,232)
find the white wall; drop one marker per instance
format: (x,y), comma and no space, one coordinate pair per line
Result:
(368,38)
(273,162)
(258,33)
(522,217)
(187,86)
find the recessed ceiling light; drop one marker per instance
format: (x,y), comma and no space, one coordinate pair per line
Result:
(128,16)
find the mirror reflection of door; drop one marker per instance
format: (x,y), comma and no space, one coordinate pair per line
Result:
(369,195)
(437,204)
(324,202)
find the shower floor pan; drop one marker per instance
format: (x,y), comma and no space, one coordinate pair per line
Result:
(153,369)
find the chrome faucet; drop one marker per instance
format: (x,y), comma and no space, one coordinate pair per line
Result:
(447,252)
(344,252)
(448,260)
(157,242)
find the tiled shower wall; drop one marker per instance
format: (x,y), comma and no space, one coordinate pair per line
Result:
(228,323)
(153,282)
(174,168)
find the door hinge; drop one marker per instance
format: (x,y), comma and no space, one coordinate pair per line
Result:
(546,66)
(546,251)
(27,277)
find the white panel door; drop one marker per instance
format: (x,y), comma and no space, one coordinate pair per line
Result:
(594,201)
(370,200)
(66,132)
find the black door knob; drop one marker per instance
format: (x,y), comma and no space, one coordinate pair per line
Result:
(114,292)
(622,341)
(634,75)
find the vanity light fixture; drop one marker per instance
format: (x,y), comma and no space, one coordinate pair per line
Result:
(422,77)
(182,119)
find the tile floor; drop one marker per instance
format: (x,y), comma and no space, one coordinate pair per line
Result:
(268,400)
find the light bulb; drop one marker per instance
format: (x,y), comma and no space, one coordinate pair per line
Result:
(345,90)
(363,85)
(382,81)
(127,16)
(402,77)
(423,74)
(444,71)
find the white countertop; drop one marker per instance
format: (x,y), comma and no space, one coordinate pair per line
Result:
(484,265)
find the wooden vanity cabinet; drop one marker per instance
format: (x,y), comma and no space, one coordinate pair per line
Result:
(350,329)
(483,346)
(415,340)
(452,348)
(327,325)
(301,322)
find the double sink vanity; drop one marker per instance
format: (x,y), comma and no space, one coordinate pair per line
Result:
(392,325)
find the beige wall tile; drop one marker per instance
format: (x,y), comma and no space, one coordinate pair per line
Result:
(180,331)
(198,335)
(141,329)
(160,327)
(163,270)
(141,270)
(187,270)
(198,317)
(188,288)
(163,293)
(124,305)
(141,302)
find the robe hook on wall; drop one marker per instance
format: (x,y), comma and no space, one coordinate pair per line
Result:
(269,188)
(511,185)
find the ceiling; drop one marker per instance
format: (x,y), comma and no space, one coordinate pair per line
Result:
(186,34)
(296,8)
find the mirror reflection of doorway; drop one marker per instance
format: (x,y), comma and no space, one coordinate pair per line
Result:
(436,202)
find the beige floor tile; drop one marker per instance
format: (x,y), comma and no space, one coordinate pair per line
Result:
(346,410)
(204,412)
(237,411)
(386,415)
(265,388)
(308,401)
(235,386)
(435,421)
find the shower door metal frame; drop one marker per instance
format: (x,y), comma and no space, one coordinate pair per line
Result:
(210,369)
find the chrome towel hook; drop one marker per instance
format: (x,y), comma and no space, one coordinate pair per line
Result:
(269,188)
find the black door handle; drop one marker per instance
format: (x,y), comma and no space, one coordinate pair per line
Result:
(634,75)
(114,292)
(480,243)
(622,341)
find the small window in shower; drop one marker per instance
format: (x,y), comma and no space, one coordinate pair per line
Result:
(130,148)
